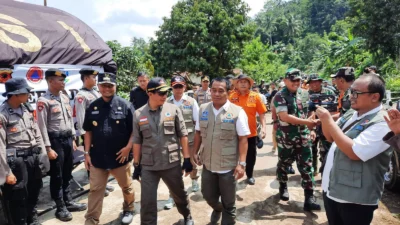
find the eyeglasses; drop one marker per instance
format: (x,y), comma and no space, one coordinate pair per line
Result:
(355,93)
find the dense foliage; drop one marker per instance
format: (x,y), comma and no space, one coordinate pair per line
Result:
(316,36)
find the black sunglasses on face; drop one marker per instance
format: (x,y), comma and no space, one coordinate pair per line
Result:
(162,93)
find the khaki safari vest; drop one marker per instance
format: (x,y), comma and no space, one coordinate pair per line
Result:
(187,111)
(219,137)
(357,181)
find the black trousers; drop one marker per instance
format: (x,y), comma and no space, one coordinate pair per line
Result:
(213,186)
(21,198)
(251,156)
(347,213)
(61,169)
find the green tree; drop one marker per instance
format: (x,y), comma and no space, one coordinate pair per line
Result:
(202,36)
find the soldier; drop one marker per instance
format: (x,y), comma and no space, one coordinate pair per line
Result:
(223,129)
(190,112)
(203,95)
(293,139)
(57,128)
(344,78)
(315,83)
(138,95)
(158,134)
(82,101)
(21,146)
(108,149)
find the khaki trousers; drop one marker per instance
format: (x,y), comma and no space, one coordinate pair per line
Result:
(98,182)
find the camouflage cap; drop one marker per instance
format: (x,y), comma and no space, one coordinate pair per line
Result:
(314,77)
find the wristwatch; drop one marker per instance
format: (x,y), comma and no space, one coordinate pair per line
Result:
(242,164)
(86,152)
(135,164)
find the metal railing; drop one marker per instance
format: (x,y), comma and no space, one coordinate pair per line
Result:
(391,96)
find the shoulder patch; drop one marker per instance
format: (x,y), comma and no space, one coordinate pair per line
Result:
(80,99)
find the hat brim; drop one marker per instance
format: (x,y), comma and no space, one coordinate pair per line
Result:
(17,92)
(164,89)
(251,81)
(319,79)
(178,83)
(107,82)
(333,75)
(294,78)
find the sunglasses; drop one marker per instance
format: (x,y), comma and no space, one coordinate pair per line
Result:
(162,93)
(178,86)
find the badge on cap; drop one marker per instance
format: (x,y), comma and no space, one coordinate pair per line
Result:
(95,123)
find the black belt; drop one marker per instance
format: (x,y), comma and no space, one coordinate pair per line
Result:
(61,134)
(23,152)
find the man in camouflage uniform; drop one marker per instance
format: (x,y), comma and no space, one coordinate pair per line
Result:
(317,136)
(203,95)
(86,95)
(344,78)
(293,139)
(56,125)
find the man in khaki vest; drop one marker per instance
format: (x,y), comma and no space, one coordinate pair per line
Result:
(358,159)
(190,112)
(203,95)
(159,132)
(222,129)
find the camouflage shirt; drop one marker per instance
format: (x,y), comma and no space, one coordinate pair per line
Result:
(346,104)
(285,101)
(325,91)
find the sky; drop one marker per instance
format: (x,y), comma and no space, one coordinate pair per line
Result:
(122,20)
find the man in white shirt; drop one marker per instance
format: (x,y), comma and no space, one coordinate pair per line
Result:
(222,128)
(353,178)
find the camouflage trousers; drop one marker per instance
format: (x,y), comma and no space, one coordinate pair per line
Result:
(323,152)
(303,157)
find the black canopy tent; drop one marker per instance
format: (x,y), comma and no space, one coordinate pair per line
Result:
(34,34)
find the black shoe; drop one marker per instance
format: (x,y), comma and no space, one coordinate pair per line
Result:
(110,188)
(260,143)
(215,217)
(310,202)
(75,207)
(62,212)
(106,193)
(251,181)
(33,219)
(283,192)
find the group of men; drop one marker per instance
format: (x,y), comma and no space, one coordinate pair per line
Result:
(167,137)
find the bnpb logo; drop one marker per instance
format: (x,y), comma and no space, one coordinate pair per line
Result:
(5,75)
(34,74)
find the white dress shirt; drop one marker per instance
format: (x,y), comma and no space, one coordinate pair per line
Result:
(366,146)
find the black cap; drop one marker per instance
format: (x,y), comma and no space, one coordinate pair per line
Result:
(107,78)
(230,76)
(293,74)
(314,77)
(178,80)
(52,72)
(157,84)
(16,86)
(344,72)
(88,71)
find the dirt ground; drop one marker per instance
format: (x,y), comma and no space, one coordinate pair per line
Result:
(256,205)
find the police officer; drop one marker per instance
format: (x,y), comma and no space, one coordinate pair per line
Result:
(159,133)
(203,95)
(190,112)
(83,99)
(57,128)
(293,139)
(21,145)
(344,78)
(108,149)
(315,88)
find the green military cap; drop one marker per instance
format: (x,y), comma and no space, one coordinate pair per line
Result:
(293,74)
(52,72)
(314,77)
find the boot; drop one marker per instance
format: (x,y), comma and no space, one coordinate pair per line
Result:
(310,202)
(75,206)
(62,212)
(33,219)
(283,192)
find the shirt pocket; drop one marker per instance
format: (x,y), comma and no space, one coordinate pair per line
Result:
(147,159)
(146,131)
(56,112)
(350,175)
(227,131)
(169,127)
(119,122)
(203,128)
(173,153)
(229,157)
(14,133)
